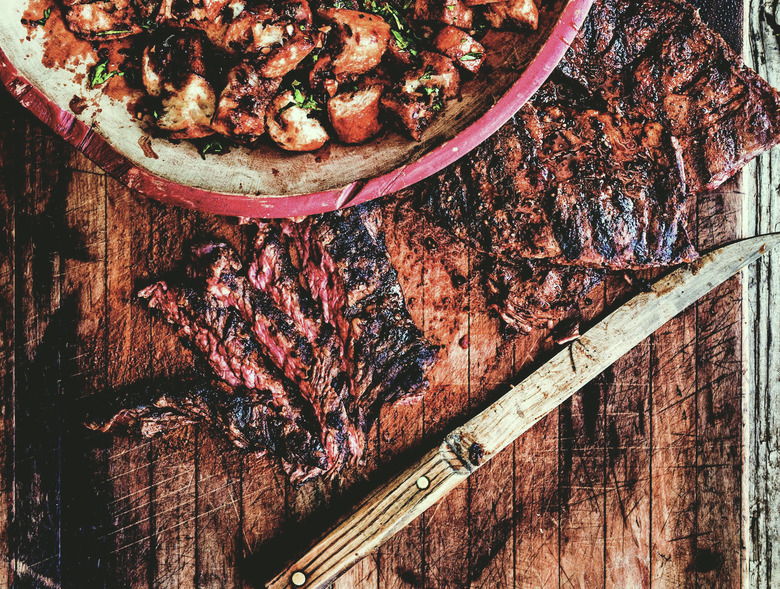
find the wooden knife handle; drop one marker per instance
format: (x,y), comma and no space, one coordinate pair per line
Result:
(383,513)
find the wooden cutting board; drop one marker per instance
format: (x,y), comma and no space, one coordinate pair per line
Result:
(636,479)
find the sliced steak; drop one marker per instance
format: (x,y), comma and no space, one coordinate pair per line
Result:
(537,295)
(388,353)
(314,337)
(246,417)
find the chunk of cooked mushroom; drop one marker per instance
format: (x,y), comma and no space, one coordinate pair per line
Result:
(286,57)
(355,115)
(278,40)
(243,103)
(173,70)
(513,14)
(181,12)
(448,12)
(100,20)
(360,40)
(168,61)
(419,97)
(292,125)
(461,48)
(210,16)
(436,71)
(188,108)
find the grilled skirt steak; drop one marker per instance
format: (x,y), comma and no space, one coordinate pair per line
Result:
(312,339)
(658,60)
(648,108)
(572,185)
(527,295)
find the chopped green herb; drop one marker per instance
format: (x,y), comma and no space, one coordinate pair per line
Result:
(471,56)
(112,32)
(100,74)
(450,7)
(404,35)
(426,75)
(212,145)
(149,24)
(41,21)
(301,99)
(437,106)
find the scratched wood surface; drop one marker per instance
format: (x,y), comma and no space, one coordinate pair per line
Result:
(636,482)
(762,322)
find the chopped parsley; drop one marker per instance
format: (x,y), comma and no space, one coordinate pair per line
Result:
(112,32)
(471,56)
(100,74)
(426,75)
(403,34)
(301,99)
(212,145)
(41,21)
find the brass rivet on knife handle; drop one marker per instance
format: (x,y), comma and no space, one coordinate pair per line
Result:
(298,579)
(398,502)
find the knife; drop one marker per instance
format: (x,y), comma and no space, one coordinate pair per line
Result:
(397,503)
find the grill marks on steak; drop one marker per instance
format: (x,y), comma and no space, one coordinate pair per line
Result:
(247,418)
(526,295)
(618,195)
(573,185)
(226,339)
(314,337)
(659,61)
(648,107)
(388,354)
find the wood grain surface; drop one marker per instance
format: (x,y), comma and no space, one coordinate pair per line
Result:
(635,482)
(761,437)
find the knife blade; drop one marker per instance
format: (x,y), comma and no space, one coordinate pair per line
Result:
(398,502)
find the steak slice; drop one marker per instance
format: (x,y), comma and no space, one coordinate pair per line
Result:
(526,295)
(311,340)
(225,338)
(574,185)
(537,295)
(245,417)
(659,61)
(388,353)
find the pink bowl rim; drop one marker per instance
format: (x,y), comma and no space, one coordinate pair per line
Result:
(117,165)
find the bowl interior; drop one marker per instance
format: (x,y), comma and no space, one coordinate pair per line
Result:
(57,63)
